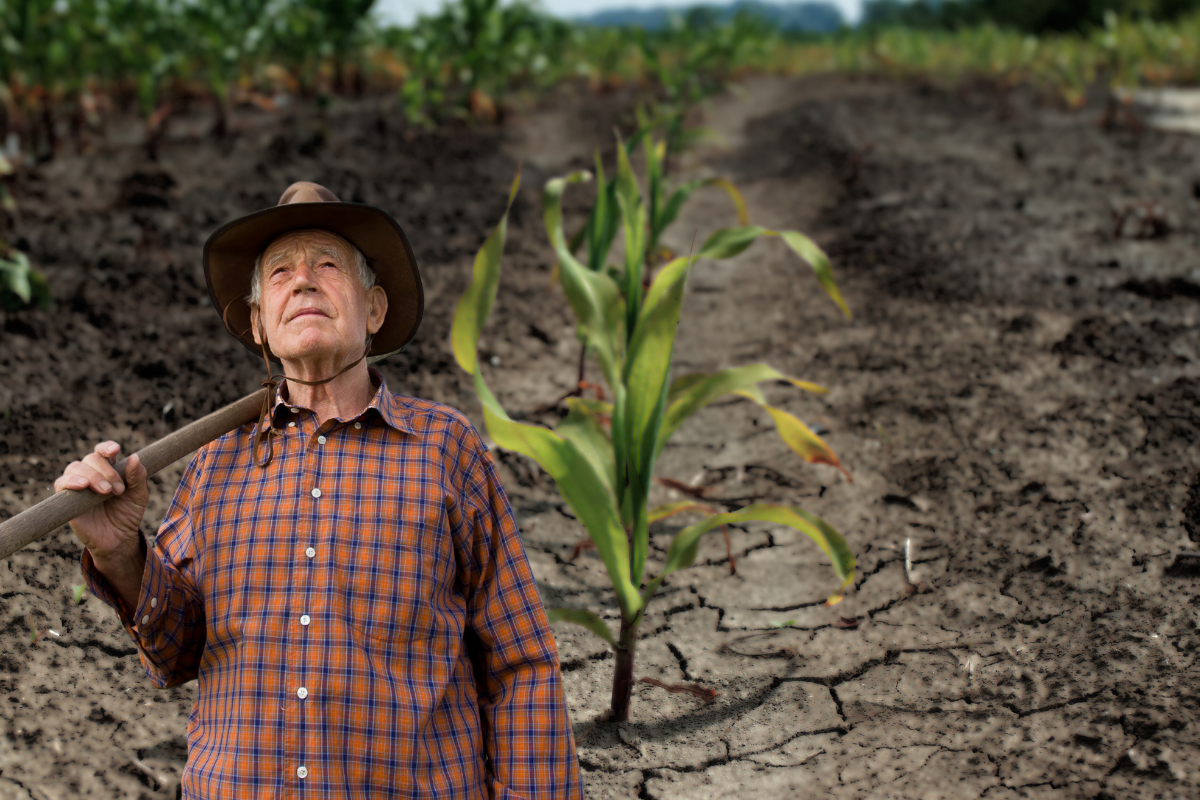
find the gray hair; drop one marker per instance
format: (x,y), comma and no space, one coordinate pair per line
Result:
(366,276)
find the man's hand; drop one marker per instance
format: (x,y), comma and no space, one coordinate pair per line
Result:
(110,530)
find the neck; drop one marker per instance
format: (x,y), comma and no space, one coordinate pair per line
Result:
(343,397)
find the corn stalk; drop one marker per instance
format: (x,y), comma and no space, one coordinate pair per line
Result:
(602,455)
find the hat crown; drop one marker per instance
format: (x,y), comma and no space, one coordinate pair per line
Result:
(307,192)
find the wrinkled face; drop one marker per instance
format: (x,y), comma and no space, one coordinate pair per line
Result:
(314,307)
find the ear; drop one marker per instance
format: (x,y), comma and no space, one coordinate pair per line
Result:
(377,306)
(255,328)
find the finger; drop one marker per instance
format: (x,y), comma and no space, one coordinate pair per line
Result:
(108,450)
(135,473)
(101,476)
(72,478)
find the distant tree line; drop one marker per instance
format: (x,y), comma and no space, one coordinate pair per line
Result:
(1031,16)
(811,16)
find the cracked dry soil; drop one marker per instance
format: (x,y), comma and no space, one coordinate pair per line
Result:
(1016,397)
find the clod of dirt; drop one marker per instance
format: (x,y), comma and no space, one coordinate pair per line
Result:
(147,189)
(1121,342)
(1185,565)
(1191,512)
(1156,289)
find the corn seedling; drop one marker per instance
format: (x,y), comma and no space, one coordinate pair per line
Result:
(20,284)
(602,454)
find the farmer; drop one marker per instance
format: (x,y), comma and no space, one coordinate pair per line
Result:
(345,579)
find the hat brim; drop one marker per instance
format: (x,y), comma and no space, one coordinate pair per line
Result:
(230,252)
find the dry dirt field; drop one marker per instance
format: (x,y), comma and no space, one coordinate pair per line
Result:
(1017,398)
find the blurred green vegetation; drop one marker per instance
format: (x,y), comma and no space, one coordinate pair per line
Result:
(67,67)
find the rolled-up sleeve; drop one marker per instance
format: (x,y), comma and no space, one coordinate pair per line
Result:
(528,737)
(168,624)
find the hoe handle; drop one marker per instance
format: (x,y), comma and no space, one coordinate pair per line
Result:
(62,507)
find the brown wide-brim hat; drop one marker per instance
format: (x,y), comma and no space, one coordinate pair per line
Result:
(230,253)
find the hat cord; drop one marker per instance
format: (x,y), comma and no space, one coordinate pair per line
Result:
(265,431)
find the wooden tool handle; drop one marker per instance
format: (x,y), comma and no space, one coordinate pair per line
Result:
(62,507)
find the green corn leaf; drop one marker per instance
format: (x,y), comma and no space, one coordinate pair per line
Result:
(729,242)
(655,153)
(633,216)
(682,552)
(683,383)
(690,393)
(796,434)
(648,368)
(585,618)
(579,484)
(603,220)
(14,275)
(670,210)
(667,277)
(475,305)
(593,296)
(582,428)
(670,509)
(593,406)
(807,249)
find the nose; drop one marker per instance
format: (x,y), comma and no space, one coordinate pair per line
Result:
(302,278)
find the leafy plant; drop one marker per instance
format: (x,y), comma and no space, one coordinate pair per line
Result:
(602,455)
(20,284)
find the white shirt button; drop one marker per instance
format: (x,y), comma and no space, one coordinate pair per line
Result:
(301,772)
(302,693)
(305,619)
(291,424)
(153,602)
(316,492)
(145,619)
(311,552)
(320,440)
(358,426)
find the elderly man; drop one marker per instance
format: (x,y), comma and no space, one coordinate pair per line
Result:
(345,578)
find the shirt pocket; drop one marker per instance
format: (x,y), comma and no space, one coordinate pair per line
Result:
(386,593)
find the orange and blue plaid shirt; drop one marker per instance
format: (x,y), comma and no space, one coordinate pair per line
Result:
(360,615)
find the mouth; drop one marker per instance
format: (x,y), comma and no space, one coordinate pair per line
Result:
(308,312)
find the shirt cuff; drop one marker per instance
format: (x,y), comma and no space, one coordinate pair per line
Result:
(151,599)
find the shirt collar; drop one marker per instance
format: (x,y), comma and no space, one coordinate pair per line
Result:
(384,404)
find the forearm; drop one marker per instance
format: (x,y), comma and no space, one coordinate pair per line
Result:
(159,608)
(124,572)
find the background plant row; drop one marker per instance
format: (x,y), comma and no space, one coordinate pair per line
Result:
(77,60)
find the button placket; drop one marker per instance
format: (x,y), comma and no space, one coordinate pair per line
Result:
(306,530)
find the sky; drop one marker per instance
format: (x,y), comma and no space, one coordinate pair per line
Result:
(405,11)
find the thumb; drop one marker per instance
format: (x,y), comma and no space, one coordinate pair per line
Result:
(136,477)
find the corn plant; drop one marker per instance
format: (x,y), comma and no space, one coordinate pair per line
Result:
(20,284)
(602,455)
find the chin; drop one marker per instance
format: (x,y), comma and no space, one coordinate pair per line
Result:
(309,345)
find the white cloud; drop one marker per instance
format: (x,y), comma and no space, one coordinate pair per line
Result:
(405,11)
